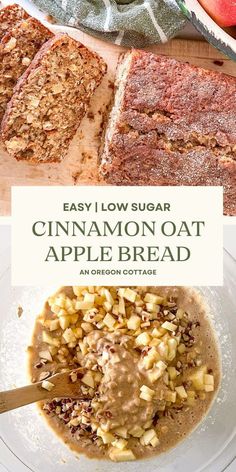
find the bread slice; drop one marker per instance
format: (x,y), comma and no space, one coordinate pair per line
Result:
(171,124)
(17,49)
(50,100)
(10,16)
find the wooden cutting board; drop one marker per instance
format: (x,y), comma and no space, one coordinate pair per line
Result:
(81,164)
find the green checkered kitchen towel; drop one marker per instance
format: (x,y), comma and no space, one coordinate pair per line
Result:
(135,23)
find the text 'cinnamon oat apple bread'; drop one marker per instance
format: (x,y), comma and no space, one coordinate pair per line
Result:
(17,49)
(50,100)
(171,124)
(10,16)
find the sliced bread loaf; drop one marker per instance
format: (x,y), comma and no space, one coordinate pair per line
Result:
(172,123)
(10,16)
(50,100)
(17,49)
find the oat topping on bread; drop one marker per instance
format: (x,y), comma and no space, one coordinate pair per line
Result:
(17,49)
(10,16)
(171,124)
(50,100)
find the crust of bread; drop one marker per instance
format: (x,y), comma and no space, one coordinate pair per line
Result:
(174,124)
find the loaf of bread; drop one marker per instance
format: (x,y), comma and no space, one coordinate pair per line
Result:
(50,100)
(17,49)
(171,124)
(10,16)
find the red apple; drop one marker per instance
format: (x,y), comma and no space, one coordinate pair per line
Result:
(222,11)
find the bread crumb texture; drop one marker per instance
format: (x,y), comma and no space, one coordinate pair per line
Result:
(17,49)
(50,100)
(10,16)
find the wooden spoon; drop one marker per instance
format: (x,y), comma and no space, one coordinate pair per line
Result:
(63,388)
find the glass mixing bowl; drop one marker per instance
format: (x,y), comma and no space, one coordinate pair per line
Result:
(29,444)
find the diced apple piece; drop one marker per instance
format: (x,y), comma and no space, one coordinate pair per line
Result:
(156,333)
(87,327)
(83,348)
(208,379)
(147,437)
(54,325)
(181,348)
(170,396)
(46,338)
(130,295)
(145,396)
(90,298)
(82,305)
(60,300)
(169,326)
(74,422)
(180,313)
(91,289)
(115,310)
(181,392)
(197,378)
(121,292)
(136,431)
(172,347)
(152,298)
(147,390)
(107,438)
(163,350)
(107,306)
(172,372)
(88,379)
(62,312)
(74,318)
(138,310)
(78,290)
(78,333)
(122,306)
(117,455)
(108,296)
(154,441)
(161,366)
(191,398)
(45,355)
(109,320)
(152,308)
(53,350)
(120,443)
(47,385)
(133,322)
(98,377)
(69,336)
(151,357)
(209,388)
(142,340)
(64,322)
(154,374)
(121,431)
(154,342)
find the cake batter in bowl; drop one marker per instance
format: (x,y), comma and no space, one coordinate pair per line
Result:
(30,445)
